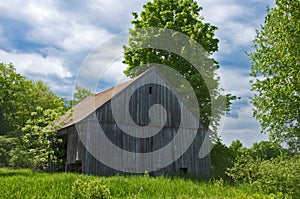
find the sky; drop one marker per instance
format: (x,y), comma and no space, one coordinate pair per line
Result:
(52,41)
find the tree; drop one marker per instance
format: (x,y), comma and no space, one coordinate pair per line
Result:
(40,142)
(6,144)
(80,94)
(266,150)
(222,157)
(275,68)
(236,146)
(19,97)
(182,16)
(26,110)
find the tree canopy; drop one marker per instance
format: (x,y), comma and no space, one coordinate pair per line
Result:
(182,16)
(275,68)
(19,97)
(27,110)
(80,94)
(39,143)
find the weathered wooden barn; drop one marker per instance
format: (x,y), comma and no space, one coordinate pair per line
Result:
(134,148)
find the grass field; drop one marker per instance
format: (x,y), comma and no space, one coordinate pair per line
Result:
(28,184)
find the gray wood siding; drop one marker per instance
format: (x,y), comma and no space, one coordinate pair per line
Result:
(74,145)
(140,102)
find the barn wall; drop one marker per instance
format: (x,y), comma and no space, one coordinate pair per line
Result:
(73,145)
(188,160)
(140,103)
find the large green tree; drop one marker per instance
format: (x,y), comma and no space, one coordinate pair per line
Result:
(275,68)
(19,97)
(27,109)
(182,16)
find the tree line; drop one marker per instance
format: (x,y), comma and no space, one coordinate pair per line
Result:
(28,136)
(27,108)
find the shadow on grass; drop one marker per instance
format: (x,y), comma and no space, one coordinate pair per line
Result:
(7,172)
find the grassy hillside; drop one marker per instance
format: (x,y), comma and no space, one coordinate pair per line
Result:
(28,184)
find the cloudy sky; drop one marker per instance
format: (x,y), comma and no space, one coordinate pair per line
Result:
(50,40)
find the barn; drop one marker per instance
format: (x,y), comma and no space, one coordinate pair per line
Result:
(139,126)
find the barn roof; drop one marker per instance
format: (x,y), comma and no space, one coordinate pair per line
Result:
(91,104)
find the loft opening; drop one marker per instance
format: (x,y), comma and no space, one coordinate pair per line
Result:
(150,89)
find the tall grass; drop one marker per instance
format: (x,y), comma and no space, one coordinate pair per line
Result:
(30,184)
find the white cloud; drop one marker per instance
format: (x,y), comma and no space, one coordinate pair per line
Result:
(115,13)
(35,64)
(104,64)
(241,33)
(236,81)
(236,22)
(54,26)
(72,37)
(30,12)
(219,12)
(244,128)
(240,123)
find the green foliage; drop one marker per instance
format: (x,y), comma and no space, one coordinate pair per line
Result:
(80,94)
(182,16)
(245,168)
(279,175)
(39,140)
(275,68)
(89,189)
(6,144)
(268,167)
(20,158)
(266,150)
(222,158)
(19,97)
(239,163)
(27,109)
(237,146)
(19,184)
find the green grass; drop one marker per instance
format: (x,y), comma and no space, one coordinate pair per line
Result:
(28,184)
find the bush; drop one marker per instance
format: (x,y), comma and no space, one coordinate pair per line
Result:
(20,159)
(244,169)
(279,176)
(222,157)
(89,189)
(267,150)
(6,145)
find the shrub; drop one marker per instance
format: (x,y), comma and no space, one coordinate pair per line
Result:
(279,176)
(222,157)
(6,145)
(20,159)
(267,150)
(89,189)
(244,169)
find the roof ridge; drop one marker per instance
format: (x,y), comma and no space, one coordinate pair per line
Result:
(94,102)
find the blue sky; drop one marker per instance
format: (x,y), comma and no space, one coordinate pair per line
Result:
(49,40)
